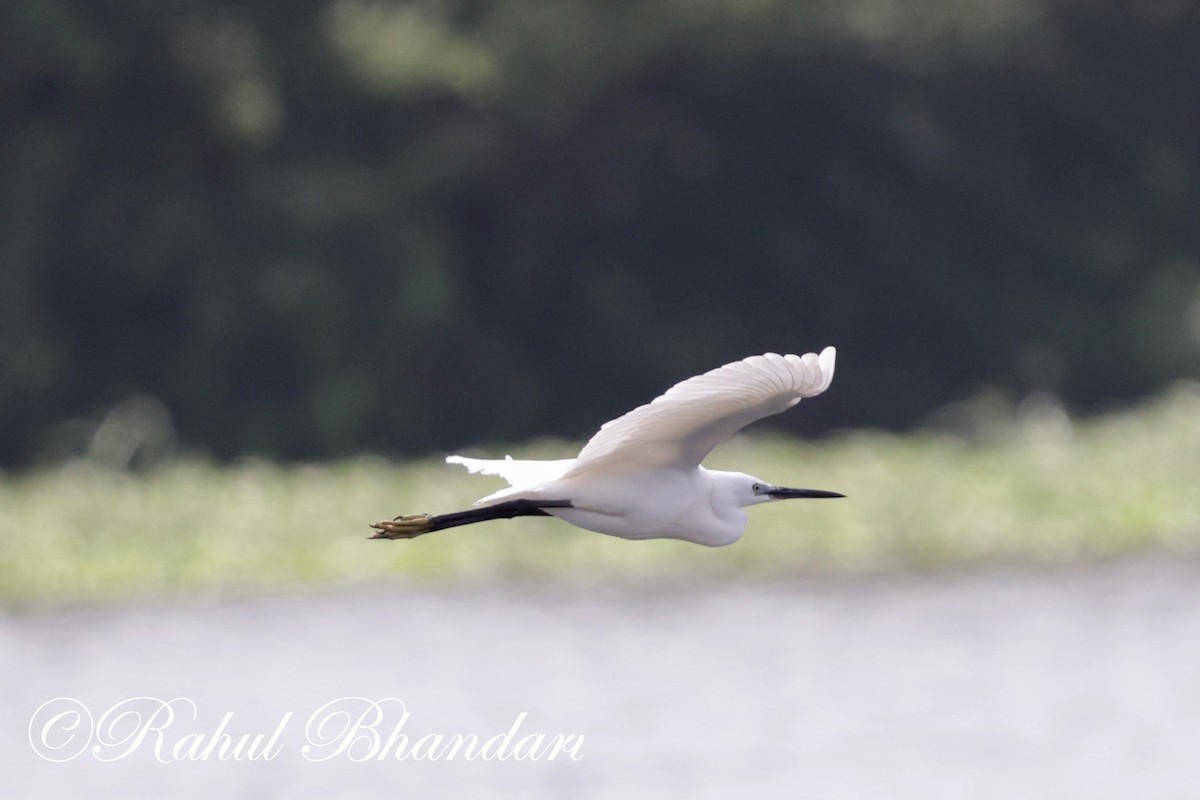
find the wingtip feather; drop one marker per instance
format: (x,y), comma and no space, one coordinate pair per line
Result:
(827,360)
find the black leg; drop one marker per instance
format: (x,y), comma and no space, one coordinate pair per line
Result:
(413,525)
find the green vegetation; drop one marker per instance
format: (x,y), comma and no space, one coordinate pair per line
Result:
(1036,487)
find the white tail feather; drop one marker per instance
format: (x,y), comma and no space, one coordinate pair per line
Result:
(521,475)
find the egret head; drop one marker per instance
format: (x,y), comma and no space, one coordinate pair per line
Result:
(750,491)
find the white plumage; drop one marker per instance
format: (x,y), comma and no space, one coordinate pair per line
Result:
(639,476)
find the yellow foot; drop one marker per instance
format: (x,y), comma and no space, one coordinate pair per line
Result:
(403,527)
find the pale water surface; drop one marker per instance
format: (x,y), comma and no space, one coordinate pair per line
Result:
(1072,682)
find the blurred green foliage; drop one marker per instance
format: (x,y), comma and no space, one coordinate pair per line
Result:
(312,229)
(1033,488)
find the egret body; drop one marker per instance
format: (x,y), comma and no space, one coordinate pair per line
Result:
(639,476)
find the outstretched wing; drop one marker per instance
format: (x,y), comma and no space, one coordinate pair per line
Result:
(679,428)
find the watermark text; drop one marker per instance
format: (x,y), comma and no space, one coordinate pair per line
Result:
(356,729)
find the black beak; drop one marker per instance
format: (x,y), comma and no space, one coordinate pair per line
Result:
(781,493)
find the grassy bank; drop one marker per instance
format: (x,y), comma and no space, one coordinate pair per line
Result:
(1034,488)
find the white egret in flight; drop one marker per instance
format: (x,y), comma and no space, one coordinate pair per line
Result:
(640,477)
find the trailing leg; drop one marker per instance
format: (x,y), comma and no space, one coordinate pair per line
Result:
(412,525)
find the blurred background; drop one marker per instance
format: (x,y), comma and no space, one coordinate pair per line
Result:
(311,230)
(262,263)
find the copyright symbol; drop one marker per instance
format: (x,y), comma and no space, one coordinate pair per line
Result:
(60,729)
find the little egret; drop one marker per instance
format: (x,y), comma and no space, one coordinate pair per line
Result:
(640,477)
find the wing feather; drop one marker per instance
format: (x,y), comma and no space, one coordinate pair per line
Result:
(680,427)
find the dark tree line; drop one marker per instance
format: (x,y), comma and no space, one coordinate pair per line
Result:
(311,229)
